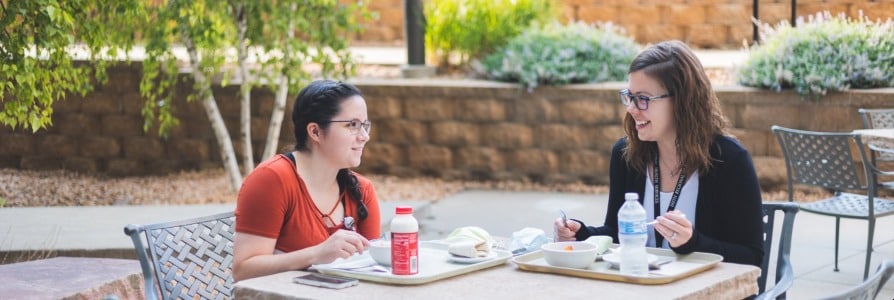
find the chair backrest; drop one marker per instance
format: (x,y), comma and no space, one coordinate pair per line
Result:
(188,259)
(785,275)
(822,159)
(869,288)
(878,119)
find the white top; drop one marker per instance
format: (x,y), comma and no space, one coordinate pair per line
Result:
(685,204)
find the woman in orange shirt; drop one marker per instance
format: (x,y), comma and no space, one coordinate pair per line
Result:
(292,209)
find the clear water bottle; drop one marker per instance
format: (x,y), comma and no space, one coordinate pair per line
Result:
(633,235)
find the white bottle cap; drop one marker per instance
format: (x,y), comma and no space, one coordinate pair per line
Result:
(631,196)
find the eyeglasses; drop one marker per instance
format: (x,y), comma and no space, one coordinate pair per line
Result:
(355,125)
(641,102)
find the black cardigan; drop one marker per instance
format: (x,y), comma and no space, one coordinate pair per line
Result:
(729,219)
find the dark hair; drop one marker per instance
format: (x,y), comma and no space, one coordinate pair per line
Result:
(696,110)
(319,102)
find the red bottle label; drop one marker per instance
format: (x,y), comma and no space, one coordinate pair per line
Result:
(404,253)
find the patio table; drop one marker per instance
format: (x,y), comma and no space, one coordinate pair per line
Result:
(879,138)
(724,281)
(876,133)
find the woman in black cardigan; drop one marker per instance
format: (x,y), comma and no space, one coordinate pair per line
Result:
(709,199)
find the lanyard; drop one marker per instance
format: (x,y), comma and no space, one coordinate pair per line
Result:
(656,183)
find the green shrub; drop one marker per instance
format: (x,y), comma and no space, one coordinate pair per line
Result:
(825,53)
(557,54)
(473,28)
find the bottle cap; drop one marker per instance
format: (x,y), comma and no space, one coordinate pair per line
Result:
(631,196)
(404,210)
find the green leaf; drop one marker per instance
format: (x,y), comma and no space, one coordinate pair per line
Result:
(36,37)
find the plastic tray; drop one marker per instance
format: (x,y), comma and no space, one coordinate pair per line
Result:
(434,264)
(682,267)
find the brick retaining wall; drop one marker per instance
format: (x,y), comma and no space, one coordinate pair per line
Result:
(700,23)
(446,128)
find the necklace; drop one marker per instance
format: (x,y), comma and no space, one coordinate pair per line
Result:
(673,171)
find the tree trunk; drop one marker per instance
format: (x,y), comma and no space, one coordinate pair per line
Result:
(227,154)
(276,118)
(279,102)
(245,90)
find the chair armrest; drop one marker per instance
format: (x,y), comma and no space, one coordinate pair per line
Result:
(875,147)
(134,231)
(875,167)
(783,282)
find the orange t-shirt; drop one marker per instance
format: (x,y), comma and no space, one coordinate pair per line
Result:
(273,202)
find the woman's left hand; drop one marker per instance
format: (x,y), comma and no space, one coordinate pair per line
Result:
(675,228)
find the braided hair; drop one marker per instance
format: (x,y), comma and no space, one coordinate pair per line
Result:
(318,103)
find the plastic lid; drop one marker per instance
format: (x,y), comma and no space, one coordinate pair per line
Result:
(631,196)
(404,210)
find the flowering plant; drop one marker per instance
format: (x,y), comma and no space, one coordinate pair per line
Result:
(562,54)
(825,53)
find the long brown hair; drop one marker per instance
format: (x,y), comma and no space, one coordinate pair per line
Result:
(696,110)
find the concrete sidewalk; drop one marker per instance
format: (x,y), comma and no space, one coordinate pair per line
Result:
(98,231)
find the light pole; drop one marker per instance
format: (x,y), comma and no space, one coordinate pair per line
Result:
(755,33)
(414,24)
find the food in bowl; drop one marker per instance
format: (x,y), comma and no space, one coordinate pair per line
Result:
(380,251)
(577,255)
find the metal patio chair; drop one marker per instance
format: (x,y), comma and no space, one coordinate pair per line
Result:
(869,288)
(785,275)
(881,151)
(877,118)
(825,159)
(187,259)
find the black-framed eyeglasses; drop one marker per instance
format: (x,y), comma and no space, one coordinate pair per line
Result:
(641,102)
(356,125)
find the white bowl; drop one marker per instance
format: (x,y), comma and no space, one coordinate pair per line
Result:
(380,251)
(581,255)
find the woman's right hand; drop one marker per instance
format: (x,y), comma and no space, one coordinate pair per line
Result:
(341,244)
(567,231)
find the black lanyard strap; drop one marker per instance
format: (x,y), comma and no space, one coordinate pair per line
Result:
(656,183)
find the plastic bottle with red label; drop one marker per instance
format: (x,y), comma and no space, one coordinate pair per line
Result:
(404,242)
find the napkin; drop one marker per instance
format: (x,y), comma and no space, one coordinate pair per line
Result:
(469,241)
(355,263)
(526,240)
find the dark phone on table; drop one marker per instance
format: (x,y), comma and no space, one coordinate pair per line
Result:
(326,281)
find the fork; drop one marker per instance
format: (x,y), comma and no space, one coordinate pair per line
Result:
(372,268)
(564,217)
(564,224)
(349,224)
(655,265)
